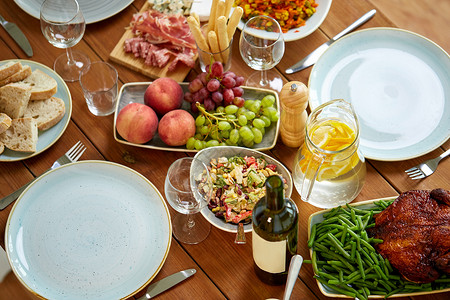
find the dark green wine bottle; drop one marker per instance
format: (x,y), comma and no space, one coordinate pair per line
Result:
(275,233)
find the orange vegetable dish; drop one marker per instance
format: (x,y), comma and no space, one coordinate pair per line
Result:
(290,14)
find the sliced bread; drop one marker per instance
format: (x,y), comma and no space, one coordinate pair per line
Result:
(21,136)
(14,98)
(9,68)
(5,122)
(23,73)
(2,147)
(46,112)
(42,85)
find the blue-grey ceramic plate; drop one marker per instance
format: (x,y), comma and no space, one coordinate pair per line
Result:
(48,137)
(206,155)
(88,230)
(93,11)
(398,84)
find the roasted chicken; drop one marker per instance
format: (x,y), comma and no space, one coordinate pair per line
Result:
(415,230)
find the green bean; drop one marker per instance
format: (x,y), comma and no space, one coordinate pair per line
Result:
(312,236)
(345,260)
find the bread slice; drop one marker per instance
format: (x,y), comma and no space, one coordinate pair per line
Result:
(2,147)
(46,112)
(5,122)
(21,136)
(42,85)
(14,98)
(18,76)
(9,68)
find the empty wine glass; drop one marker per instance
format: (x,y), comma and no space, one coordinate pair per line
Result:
(188,189)
(63,25)
(262,47)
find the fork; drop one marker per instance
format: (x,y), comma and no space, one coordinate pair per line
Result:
(72,155)
(426,168)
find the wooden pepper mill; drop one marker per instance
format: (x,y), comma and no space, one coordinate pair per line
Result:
(294,99)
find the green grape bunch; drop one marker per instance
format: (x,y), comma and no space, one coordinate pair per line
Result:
(232,125)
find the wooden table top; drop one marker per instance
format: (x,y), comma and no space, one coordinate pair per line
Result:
(225,270)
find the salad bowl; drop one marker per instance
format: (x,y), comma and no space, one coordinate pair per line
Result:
(206,155)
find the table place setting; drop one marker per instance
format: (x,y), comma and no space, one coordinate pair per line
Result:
(180,138)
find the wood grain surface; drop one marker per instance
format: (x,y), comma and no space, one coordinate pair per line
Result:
(224,269)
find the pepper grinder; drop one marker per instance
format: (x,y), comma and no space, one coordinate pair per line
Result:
(294,99)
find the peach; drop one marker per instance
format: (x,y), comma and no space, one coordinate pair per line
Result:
(163,95)
(137,123)
(176,127)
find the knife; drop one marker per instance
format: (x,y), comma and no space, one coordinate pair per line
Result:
(314,56)
(17,35)
(166,283)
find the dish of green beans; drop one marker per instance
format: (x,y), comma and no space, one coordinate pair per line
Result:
(344,259)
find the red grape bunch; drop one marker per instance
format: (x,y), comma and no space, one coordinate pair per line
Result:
(215,88)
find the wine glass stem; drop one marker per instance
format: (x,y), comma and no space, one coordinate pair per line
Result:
(190,222)
(70,60)
(264,81)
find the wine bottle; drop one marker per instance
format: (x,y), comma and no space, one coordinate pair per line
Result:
(275,233)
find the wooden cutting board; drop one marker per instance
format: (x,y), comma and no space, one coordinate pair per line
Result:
(118,55)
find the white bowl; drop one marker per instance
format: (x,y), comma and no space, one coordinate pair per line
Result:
(207,154)
(311,24)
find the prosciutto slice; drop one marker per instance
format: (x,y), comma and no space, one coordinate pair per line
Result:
(159,37)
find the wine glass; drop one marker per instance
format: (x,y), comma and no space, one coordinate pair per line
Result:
(188,188)
(262,47)
(63,25)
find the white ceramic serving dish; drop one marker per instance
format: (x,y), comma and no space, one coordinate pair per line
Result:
(134,93)
(311,24)
(48,137)
(318,218)
(88,230)
(206,155)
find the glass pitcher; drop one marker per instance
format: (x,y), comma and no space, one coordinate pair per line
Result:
(328,169)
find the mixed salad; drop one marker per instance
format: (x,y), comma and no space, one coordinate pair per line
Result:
(238,184)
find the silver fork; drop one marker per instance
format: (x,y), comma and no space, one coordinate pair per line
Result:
(426,168)
(72,155)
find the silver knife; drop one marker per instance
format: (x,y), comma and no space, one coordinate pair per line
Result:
(17,35)
(166,283)
(314,56)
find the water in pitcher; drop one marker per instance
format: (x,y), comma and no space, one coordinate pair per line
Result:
(329,171)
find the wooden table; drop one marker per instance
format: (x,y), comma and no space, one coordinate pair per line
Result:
(225,270)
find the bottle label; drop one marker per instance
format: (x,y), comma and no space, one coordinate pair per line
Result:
(268,255)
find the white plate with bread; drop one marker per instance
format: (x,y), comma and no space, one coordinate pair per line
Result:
(35,108)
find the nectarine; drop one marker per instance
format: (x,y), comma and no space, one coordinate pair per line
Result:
(176,127)
(163,95)
(137,123)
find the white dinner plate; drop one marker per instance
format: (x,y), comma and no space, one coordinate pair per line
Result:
(398,84)
(93,10)
(48,137)
(88,230)
(207,154)
(310,26)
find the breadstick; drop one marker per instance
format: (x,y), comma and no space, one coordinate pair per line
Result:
(222,35)
(219,12)
(212,15)
(199,38)
(214,45)
(195,15)
(234,21)
(228,5)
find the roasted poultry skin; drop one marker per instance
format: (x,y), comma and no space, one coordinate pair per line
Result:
(415,230)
